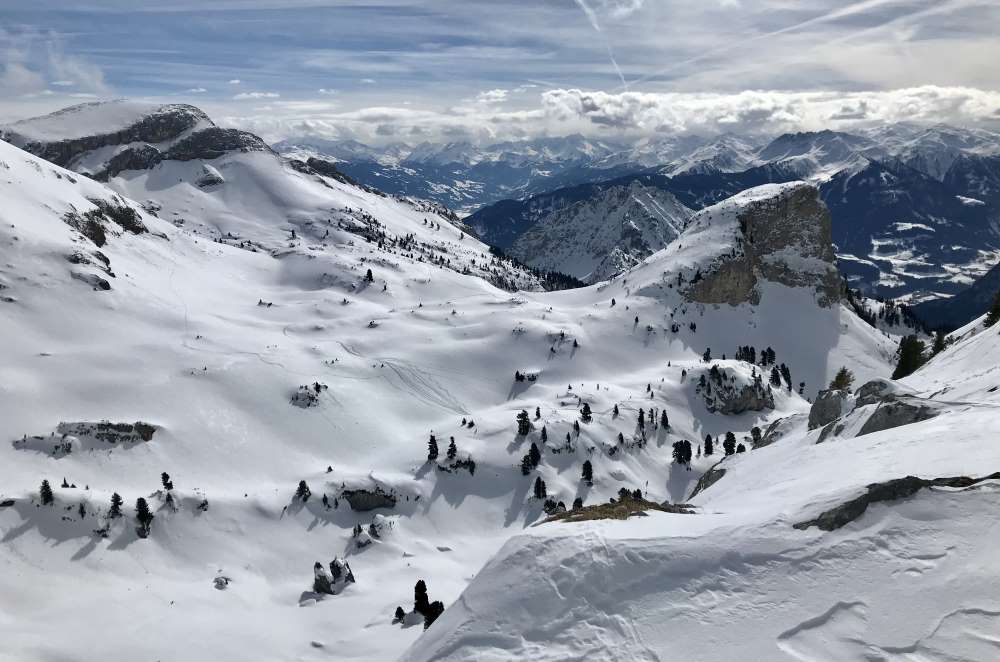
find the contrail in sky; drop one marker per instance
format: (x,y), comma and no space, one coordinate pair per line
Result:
(592,17)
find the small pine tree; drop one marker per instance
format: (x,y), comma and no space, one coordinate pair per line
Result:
(911,357)
(432,449)
(585,413)
(302,492)
(939,343)
(544,435)
(709,449)
(538,412)
(167,483)
(526,465)
(420,600)
(577,503)
(523,424)
(534,455)
(588,473)
(664,421)
(842,380)
(729,445)
(116,505)
(756,435)
(369,277)
(741,448)
(775,377)
(400,614)
(993,316)
(540,492)
(452,449)
(642,419)
(143,516)
(45,493)
(576,427)
(82,510)
(614,412)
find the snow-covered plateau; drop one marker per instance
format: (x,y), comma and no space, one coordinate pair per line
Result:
(288,368)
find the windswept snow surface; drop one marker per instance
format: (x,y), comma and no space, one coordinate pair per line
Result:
(217,315)
(910,579)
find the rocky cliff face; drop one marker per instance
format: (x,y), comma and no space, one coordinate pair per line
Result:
(783,236)
(157,124)
(598,238)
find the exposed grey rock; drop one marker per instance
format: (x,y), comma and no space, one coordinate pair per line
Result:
(890,415)
(784,239)
(709,478)
(362,499)
(164,123)
(93,280)
(210,177)
(891,490)
(725,392)
(142,157)
(875,391)
(779,429)
(828,407)
(213,142)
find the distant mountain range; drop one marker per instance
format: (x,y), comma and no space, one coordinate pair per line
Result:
(903,226)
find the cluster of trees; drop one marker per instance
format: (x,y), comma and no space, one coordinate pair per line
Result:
(540,491)
(911,356)
(682,452)
(523,423)
(531,459)
(143,515)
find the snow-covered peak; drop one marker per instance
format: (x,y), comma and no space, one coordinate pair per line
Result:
(101,118)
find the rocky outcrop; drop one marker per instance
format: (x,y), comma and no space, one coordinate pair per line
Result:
(161,124)
(828,407)
(891,490)
(142,157)
(727,392)
(210,177)
(784,237)
(214,142)
(894,414)
(362,499)
(709,478)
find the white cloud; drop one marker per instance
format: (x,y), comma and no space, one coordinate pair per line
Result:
(368,81)
(197,90)
(326,91)
(243,96)
(62,83)
(491,96)
(235,81)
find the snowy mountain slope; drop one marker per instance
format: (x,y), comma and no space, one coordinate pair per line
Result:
(891,571)
(597,239)
(210,343)
(817,155)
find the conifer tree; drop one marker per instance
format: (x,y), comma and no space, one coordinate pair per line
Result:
(420,600)
(911,356)
(369,277)
(534,455)
(585,413)
(165,479)
(432,449)
(544,435)
(400,614)
(741,448)
(576,427)
(642,419)
(664,421)
(143,516)
(302,492)
(993,316)
(729,445)
(523,424)
(775,377)
(452,449)
(538,412)
(939,343)
(82,510)
(45,493)
(756,435)
(116,505)
(843,379)
(614,412)
(540,492)
(526,465)
(577,503)
(588,473)
(709,448)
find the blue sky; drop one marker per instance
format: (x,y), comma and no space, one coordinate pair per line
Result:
(443,69)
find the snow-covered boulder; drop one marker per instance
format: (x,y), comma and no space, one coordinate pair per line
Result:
(210,176)
(830,405)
